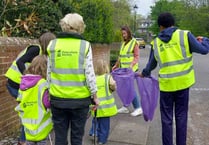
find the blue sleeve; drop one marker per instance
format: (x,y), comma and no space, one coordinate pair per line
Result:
(152,63)
(196,46)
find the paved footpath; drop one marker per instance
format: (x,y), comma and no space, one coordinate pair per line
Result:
(125,130)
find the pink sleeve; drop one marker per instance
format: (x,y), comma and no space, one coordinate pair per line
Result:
(46,100)
(136,55)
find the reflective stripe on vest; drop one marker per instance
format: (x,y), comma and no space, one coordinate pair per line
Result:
(35,118)
(13,72)
(67,68)
(107,106)
(175,62)
(126,54)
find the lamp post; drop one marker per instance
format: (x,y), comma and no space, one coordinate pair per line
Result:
(135,8)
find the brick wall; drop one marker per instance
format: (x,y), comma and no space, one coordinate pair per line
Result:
(100,51)
(9,49)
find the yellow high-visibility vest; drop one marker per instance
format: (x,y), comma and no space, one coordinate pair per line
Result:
(13,72)
(67,68)
(35,118)
(126,54)
(175,62)
(107,106)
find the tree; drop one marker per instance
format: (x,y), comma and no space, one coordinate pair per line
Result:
(159,7)
(97,15)
(29,18)
(121,16)
(191,15)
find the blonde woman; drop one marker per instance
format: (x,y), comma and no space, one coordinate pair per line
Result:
(107,107)
(33,102)
(72,80)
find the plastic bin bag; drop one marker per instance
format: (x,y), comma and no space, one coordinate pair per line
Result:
(149,91)
(124,78)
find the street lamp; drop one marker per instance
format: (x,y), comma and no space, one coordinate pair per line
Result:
(135,8)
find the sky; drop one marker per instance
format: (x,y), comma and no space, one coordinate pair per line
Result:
(143,6)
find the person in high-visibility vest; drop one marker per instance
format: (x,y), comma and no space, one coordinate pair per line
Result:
(172,50)
(129,58)
(23,60)
(33,99)
(72,80)
(107,107)
(21,63)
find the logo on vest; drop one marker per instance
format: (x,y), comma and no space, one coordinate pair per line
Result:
(27,104)
(61,53)
(167,46)
(161,47)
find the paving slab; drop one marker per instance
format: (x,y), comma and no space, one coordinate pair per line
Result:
(129,132)
(124,130)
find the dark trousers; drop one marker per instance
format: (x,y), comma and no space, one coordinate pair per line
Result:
(174,102)
(65,118)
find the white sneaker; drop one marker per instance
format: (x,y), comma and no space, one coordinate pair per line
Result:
(137,112)
(123,110)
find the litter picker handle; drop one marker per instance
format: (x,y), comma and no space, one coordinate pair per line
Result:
(95,125)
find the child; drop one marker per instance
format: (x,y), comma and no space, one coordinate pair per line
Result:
(107,107)
(33,102)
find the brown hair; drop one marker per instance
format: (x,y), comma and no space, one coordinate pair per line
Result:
(44,41)
(38,66)
(127,29)
(101,67)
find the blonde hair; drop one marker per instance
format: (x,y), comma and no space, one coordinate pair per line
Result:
(38,66)
(102,67)
(72,22)
(44,41)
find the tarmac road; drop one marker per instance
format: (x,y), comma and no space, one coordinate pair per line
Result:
(198,117)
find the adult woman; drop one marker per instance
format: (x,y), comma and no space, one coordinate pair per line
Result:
(72,80)
(129,58)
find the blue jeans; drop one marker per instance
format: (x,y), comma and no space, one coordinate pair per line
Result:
(136,102)
(102,128)
(14,93)
(92,130)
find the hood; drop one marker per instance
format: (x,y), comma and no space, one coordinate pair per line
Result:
(29,81)
(166,34)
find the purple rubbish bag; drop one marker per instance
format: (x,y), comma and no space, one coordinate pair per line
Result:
(124,78)
(149,90)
